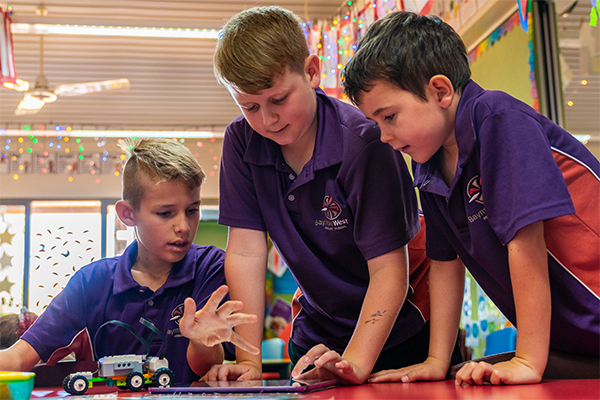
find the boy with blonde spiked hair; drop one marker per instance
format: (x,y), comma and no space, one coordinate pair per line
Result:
(161,277)
(310,171)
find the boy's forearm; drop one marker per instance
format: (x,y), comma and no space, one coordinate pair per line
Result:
(251,292)
(446,288)
(245,271)
(388,286)
(200,358)
(531,289)
(20,357)
(253,333)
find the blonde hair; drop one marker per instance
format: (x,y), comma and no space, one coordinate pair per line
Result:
(256,44)
(159,160)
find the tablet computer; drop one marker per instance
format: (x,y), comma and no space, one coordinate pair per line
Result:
(264,386)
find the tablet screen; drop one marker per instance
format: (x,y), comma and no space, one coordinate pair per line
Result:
(264,386)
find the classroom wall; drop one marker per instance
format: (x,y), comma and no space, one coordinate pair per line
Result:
(210,232)
(103,183)
(505,66)
(594,147)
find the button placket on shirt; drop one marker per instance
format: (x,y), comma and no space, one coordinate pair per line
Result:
(149,300)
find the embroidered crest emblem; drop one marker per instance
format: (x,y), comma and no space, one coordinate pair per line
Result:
(331,208)
(177,313)
(474,190)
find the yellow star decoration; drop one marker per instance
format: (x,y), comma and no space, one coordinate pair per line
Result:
(5,285)
(5,261)
(6,237)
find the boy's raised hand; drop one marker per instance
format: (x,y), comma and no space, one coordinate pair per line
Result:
(514,371)
(212,324)
(431,369)
(328,365)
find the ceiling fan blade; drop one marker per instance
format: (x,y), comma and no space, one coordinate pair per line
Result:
(20,85)
(77,89)
(29,105)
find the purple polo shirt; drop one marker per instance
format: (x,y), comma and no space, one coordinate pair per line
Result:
(515,168)
(353,201)
(105,290)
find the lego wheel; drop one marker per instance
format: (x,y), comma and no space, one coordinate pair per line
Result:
(163,377)
(135,381)
(77,385)
(65,383)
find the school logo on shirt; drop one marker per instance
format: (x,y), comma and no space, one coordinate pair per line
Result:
(331,208)
(474,190)
(177,313)
(332,211)
(475,195)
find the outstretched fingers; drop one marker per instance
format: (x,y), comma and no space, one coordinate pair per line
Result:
(188,319)
(215,299)
(239,318)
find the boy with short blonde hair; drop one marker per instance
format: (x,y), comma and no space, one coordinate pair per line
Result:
(338,205)
(160,277)
(248,55)
(159,160)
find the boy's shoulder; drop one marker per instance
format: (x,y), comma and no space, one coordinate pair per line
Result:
(103,266)
(350,119)
(239,127)
(203,260)
(487,102)
(239,122)
(200,261)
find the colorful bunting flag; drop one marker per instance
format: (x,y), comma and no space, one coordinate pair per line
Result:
(523,8)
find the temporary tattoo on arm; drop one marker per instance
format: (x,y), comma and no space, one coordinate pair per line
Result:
(375,317)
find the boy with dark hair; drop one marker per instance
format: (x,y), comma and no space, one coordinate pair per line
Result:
(311,172)
(160,277)
(504,190)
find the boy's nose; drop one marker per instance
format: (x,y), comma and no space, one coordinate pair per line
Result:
(386,137)
(181,224)
(269,117)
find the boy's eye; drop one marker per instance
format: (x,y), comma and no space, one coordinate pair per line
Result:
(193,210)
(253,108)
(389,117)
(279,101)
(164,214)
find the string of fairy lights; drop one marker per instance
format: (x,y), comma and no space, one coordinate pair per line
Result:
(334,40)
(37,152)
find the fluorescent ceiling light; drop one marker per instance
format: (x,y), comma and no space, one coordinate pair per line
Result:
(64,204)
(132,31)
(111,133)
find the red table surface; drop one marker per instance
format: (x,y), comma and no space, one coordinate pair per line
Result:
(581,389)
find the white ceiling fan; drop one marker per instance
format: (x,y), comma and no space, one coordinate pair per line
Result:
(40,94)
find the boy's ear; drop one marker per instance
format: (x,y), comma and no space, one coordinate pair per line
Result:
(125,212)
(441,90)
(312,67)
